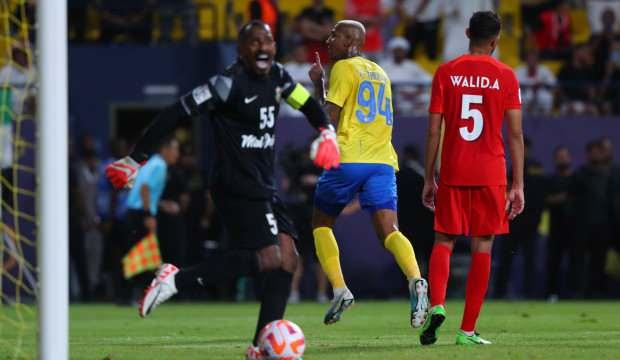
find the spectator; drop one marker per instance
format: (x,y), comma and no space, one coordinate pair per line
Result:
(577,84)
(594,10)
(126,21)
(76,16)
(18,79)
(302,179)
(314,24)
(614,187)
(611,82)
(537,83)
(456,20)
(172,229)
(524,229)
(369,13)
(591,196)
(393,15)
(560,243)
(78,280)
(608,149)
(174,20)
(602,43)
(198,222)
(553,36)
(298,68)
(415,220)
(267,12)
(87,181)
(20,76)
(423,24)
(410,82)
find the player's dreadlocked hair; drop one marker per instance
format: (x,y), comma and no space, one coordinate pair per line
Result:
(244,32)
(483,26)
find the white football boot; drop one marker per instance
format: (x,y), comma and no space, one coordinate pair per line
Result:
(343,299)
(418,295)
(161,289)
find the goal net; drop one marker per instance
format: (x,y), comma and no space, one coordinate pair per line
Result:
(18,274)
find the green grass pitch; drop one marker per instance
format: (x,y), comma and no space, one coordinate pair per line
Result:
(370,330)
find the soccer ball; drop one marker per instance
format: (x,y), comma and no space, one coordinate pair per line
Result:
(282,340)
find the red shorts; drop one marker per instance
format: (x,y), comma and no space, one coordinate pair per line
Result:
(471,210)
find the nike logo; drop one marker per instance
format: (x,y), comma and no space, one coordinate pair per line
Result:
(250,99)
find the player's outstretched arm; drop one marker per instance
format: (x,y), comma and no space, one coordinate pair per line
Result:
(122,173)
(516,199)
(432,147)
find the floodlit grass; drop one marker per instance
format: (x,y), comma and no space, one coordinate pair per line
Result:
(370,330)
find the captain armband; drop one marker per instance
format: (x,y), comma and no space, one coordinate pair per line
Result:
(298,97)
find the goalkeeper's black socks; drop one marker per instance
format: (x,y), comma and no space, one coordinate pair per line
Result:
(217,269)
(275,289)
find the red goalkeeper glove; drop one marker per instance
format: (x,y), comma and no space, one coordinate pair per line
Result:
(122,173)
(324,150)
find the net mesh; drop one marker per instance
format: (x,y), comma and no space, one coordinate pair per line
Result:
(17,181)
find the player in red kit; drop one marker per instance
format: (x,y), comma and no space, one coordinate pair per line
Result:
(472,94)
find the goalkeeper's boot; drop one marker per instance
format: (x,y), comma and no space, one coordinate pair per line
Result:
(343,299)
(161,289)
(418,294)
(475,339)
(254,353)
(430,329)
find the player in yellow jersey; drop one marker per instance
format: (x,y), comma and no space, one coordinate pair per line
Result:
(359,102)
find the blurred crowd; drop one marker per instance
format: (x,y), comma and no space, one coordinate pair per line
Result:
(100,234)
(567,232)
(570,226)
(566,53)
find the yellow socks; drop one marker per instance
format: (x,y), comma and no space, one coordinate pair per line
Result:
(329,256)
(401,248)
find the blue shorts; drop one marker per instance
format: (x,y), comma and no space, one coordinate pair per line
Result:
(375,183)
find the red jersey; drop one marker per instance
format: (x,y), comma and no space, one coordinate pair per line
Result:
(473,92)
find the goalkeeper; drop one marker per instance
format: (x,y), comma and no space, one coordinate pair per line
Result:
(243,104)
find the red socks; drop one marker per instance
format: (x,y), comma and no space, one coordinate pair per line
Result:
(477,283)
(438,274)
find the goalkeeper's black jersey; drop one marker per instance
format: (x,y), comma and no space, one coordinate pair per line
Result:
(243,109)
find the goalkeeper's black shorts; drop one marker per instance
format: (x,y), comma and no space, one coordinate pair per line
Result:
(252,224)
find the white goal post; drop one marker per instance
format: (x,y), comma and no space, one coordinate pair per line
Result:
(52,171)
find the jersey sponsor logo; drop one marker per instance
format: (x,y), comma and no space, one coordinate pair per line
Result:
(474,82)
(201,94)
(248,100)
(253,142)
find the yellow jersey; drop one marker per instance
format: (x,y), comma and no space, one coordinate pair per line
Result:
(363,91)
